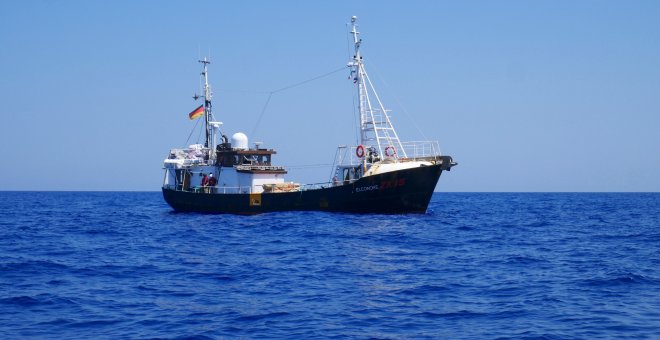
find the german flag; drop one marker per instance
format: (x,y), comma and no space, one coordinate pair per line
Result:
(196,113)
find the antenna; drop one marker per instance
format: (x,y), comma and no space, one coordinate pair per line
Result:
(207,103)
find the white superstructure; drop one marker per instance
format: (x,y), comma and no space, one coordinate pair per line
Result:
(229,167)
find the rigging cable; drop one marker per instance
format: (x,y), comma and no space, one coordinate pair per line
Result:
(270,94)
(199,136)
(191,132)
(398,101)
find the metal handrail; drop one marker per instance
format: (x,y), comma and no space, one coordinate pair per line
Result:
(259,167)
(316,186)
(212,190)
(413,150)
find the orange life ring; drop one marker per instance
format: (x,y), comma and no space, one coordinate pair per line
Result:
(359,151)
(388,153)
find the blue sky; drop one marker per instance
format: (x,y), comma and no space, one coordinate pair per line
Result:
(525,95)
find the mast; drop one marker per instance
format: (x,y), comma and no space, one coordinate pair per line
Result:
(375,126)
(207,104)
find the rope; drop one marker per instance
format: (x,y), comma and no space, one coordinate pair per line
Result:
(410,119)
(308,80)
(199,136)
(191,132)
(261,115)
(270,94)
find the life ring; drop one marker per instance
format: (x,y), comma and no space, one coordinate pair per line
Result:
(390,151)
(359,151)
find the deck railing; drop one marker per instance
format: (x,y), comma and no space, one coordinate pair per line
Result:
(248,190)
(420,149)
(415,150)
(259,167)
(316,186)
(212,190)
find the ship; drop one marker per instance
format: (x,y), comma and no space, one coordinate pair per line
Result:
(380,175)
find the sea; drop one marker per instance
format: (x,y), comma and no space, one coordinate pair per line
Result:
(78,265)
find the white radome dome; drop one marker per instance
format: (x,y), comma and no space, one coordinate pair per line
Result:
(239,141)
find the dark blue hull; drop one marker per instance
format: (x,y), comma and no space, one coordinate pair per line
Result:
(402,191)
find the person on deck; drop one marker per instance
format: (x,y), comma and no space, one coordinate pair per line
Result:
(212,181)
(205,180)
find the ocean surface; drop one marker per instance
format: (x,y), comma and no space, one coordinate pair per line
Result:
(475,266)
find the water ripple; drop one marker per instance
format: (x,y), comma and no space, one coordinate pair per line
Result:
(509,266)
